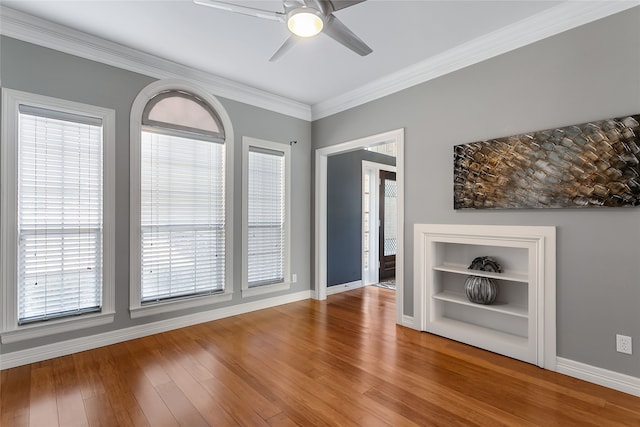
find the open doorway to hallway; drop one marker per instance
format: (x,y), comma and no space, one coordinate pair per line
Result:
(321,225)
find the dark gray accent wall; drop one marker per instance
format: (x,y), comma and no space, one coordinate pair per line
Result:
(589,73)
(344,214)
(31,68)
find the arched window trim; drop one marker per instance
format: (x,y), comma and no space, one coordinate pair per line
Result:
(183,130)
(137,110)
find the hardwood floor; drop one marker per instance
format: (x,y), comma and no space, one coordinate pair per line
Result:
(342,362)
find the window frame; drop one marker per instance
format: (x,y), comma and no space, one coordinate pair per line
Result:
(11,331)
(136,308)
(247,143)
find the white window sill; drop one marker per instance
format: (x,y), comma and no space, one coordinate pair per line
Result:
(180,304)
(265,289)
(51,327)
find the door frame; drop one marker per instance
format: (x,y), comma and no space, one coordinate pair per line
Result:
(369,277)
(320,227)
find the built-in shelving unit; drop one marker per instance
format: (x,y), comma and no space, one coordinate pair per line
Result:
(521,322)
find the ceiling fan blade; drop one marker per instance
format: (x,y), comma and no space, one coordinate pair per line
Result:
(343,4)
(251,11)
(335,29)
(288,44)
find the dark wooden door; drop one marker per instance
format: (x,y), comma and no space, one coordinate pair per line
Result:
(388,225)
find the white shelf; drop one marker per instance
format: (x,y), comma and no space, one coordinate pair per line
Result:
(498,307)
(461,269)
(478,336)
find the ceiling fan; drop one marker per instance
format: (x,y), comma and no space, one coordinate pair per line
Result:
(304,18)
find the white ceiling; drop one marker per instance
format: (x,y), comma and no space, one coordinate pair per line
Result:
(237,47)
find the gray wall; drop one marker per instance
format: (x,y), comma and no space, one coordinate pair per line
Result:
(589,73)
(344,214)
(47,72)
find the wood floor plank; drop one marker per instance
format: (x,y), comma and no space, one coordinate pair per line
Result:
(88,375)
(340,362)
(252,372)
(99,411)
(15,395)
(218,379)
(290,388)
(150,401)
(119,389)
(281,420)
(43,408)
(3,380)
(183,410)
(71,411)
(183,384)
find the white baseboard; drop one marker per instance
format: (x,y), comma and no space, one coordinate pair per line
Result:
(603,377)
(343,287)
(63,348)
(409,322)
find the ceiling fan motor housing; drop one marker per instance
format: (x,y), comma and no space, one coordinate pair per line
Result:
(305,21)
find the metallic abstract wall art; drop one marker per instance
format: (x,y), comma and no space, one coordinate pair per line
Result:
(592,164)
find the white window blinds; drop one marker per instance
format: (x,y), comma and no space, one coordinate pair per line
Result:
(182,217)
(266,217)
(60,214)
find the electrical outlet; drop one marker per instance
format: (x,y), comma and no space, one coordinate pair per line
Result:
(294,278)
(623,344)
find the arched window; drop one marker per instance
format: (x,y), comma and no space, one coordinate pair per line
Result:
(179,214)
(183,112)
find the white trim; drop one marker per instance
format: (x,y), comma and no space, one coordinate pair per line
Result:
(555,20)
(378,166)
(11,331)
(603,377)
(247,143)
(320,226)
(135,306)
(344,287)
(372,274)
(63,348)
(178,304)
(369,264)
(38,31)
(410,322)
(66,324)
(539,344)
(265,289)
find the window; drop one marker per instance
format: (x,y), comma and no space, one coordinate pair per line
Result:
(266,216)
(179,187)
(57,212)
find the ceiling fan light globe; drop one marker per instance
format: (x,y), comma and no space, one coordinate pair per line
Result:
(305,22)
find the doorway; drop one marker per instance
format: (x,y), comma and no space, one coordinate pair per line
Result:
(372,225)
(322,154)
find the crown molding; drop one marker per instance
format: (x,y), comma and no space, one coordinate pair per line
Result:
(550,22)
(567,15)
(44,33)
